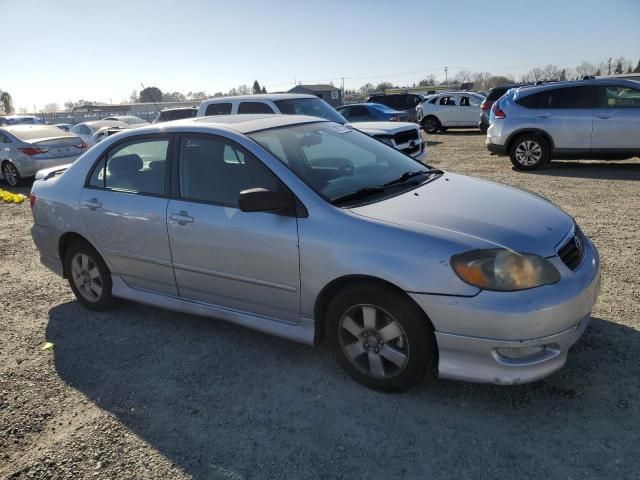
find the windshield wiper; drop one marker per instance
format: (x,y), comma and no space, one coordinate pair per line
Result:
(361,193)
(406,176)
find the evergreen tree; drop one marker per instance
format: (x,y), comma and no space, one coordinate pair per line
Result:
(618,69)
(637,69)
(256,87)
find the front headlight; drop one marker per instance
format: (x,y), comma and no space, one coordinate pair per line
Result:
(503,270)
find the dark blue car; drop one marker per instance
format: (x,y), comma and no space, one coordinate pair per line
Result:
(371,112)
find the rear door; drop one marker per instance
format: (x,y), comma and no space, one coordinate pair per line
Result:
(124,205)
(567,115)
(245,261)
(616,121)
(468,111)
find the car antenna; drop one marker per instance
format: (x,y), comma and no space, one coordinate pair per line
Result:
(154,103)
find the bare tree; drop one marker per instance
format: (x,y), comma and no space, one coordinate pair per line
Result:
(585,69)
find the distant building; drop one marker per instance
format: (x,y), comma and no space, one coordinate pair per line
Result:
(330,94)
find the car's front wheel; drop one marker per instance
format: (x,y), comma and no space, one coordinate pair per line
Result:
(529,152)
(431,124)
(381,339)
(88,276)
(11,174)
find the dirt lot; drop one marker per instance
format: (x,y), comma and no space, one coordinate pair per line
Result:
(144,393)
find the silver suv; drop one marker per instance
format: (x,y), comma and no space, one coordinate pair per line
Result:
(597,118)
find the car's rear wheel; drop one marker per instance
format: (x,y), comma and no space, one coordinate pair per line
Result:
(88,276)
(11,174)
(381,339)
(529,152)
(431,124)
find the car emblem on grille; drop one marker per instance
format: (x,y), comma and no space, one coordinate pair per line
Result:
(578,241)
(412,144)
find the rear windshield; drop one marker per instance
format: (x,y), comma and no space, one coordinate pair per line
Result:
(39,132)
(313,107)
(496,93)
(178,114)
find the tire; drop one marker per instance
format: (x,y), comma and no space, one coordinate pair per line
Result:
(11,174)
(431,124)
(380,338)
(483,128)
(90,281)
(529,152)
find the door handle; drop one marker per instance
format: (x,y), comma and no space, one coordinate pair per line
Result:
(93,204)
(543,115)
(604,116)
(181,218)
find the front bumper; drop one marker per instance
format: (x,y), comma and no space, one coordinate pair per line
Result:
(471,332)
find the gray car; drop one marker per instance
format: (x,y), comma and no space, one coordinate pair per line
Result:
(598,118)
(25,149)
(313,231)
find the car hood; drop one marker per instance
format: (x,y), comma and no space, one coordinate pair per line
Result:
(489,214)
(383,128)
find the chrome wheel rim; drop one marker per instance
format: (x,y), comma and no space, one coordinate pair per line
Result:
(528,152)
(373,341)
(86,277)
(10,174)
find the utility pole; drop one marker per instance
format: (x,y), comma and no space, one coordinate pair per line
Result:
(609,66)
(446,79)
(342,99)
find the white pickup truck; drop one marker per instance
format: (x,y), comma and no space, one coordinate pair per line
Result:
(403,136)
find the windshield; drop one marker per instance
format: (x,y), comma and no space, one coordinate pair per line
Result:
(335,160)
(313,107)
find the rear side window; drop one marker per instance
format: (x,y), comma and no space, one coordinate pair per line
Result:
(81,130)
(622,97)
(254,107)
(218,109)
(565,98)
(135,167)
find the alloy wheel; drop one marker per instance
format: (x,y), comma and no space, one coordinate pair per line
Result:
(528,153)
(10,174)
(373,341)
(86,277)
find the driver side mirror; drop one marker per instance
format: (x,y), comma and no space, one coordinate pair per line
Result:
(263,200)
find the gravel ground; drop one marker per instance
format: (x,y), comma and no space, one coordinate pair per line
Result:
(145,393)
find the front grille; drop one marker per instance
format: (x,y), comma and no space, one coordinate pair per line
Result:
(572,252)
(406,137)
(411,150)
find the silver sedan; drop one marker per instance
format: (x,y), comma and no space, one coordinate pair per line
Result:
(312,231)
(25,149)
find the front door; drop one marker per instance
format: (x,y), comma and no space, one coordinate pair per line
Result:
(245,261)
(468,111)
(447,111)
(124,206)
(616,124)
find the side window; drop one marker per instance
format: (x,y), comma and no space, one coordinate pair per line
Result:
(621,97)
(359,111)
(215,171)
(433,101)
(573,97)
(345,112)
(448,101)
(464,101)
(254,107)
(4,139)
(218,109)
(136,167)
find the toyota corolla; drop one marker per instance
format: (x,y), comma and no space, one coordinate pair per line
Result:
(309,230)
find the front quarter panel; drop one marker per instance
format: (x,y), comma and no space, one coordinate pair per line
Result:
(335,243)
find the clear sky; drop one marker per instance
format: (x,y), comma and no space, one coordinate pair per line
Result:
(54,51)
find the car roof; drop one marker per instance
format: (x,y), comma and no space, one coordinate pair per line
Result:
(177,108)
(249,123)
(578,83)
(260,96)
(102,123)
